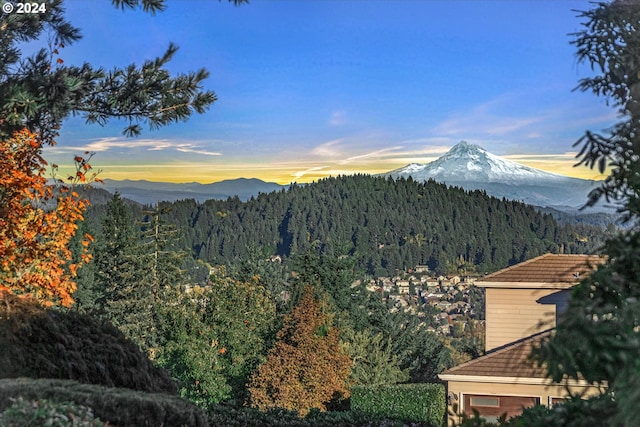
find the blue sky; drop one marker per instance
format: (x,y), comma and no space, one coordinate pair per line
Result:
(311,88)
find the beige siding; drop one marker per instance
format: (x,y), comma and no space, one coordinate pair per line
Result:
(513,314)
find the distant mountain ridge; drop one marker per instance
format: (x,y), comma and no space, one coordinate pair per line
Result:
(387,224)
(471,167)
(150,192)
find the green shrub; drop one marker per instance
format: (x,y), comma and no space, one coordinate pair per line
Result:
(49,343)
(117,406)
(43,412)
(408,402)
(250,417)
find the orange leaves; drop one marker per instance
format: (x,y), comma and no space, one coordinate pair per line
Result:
(305,369)
(34,253)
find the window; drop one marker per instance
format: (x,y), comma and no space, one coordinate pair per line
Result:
(493,402)
(555,400)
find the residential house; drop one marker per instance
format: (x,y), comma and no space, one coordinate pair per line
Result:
(459,307)
(387,284)
(372,286)
(433,285)
(421,269)
(403,287)
(523,303)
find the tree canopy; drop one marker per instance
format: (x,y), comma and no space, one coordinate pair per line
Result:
(39,91)
(598,338)
(307,367)
(37,222)
(387,225)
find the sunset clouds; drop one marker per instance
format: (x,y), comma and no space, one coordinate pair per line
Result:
(313,89)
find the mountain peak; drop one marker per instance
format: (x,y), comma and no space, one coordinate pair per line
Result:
(465,146)
(472,167)
(466,162)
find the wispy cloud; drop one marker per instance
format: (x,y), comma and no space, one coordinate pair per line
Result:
(203,152)
(378,150)
(308,171)
(519,118)
(562,163)
(490,119)
(107,144)
(371,156)
(329,149)
(542,157)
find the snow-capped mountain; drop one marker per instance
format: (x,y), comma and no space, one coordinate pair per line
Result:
(473,168)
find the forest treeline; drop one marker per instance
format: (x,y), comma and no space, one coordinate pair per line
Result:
(386,225)
(226,339)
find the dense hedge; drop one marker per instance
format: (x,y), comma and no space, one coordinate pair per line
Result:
(44,412)
(408,402)
(50,343)
(249,417)
(117,406)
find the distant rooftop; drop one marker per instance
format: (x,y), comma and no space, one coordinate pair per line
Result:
(556,270)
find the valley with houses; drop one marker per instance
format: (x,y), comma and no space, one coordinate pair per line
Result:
(467,291)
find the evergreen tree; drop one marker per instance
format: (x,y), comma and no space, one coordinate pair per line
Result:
(192,351)
(214,337)
(266,270)
(124,300)
(334,276)
(373,360)
(421,353)
(598,337)
(384,225)
(88,291)
(37,93)
(40,91)
(159,257)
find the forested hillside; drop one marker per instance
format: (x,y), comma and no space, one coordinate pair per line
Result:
(385,224)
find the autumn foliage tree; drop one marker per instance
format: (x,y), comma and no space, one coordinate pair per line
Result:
(38,91)
(37,221)
(307,367)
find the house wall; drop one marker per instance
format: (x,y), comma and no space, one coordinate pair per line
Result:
(458,392)
(513,314)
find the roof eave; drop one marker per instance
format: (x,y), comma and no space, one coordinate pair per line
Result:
(526,285)
(511,380)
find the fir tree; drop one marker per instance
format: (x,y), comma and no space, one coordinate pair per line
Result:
(373,360)
(40,91)
(123,300)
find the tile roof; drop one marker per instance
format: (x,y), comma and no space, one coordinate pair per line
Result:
(511,360)
(549,268)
